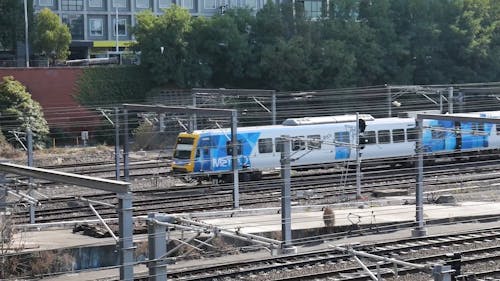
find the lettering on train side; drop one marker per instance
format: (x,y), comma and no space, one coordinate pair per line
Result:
(225,162)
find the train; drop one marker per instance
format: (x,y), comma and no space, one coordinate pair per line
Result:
(207,154)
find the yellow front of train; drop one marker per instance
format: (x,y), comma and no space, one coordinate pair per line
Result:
(184,153)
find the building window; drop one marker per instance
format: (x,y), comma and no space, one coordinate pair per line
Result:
(188,4)
(210,4)
(164,4)
(96,27)
(142,4)
(122,27)
(312,9)
(119,4)
(46,2)
(95,3)
(75,24)
(72,5)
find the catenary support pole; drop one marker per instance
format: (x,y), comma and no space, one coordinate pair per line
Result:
(125,145)
(358,160)
(117,143)
(389,99)
(126,243)
(286,205)
(157,245)
(234,162)
(273,107)
(440,102)
(194,120)
(29,137)
(450,100)
(3,193)
(420,230)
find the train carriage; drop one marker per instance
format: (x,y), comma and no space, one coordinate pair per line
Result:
(207,154)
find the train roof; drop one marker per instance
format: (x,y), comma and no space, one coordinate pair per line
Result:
(326,119)
(349,118)
(317,121)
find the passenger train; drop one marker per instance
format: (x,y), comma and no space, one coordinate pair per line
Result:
(207,154)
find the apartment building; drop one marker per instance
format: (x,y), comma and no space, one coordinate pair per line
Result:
(93,22)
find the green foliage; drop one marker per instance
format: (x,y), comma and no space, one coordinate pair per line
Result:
(144,136)
(12,22)
(350,43)
(167,32)
(52,37)
(19,112)
(112,85)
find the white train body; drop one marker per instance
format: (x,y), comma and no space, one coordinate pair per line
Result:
(326,140)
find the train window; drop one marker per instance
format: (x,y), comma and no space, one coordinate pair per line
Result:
(313,142)
(384,136)
(266,145)
(279,144)
(298,144)
(183,148)
(411,134)
(370,137)
(498,129)
(398,135)
(185,141)
(229,149)
(342,137)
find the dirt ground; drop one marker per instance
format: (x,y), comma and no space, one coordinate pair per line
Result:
(73,155)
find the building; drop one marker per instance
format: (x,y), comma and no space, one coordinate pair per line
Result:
(92,22)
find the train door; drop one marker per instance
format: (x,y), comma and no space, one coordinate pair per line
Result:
(474,135)
(203,154)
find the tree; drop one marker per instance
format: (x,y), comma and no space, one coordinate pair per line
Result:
(163,43)
(227,50)
(12,22)
(19,112)
(52,37)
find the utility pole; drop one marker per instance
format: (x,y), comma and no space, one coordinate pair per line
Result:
(286,197)
(358,159)
(117,144)
(116,31)
(29,138)
(27,55)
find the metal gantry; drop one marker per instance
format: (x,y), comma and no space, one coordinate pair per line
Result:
(122,189)
(420,230)
(253,93)
(232,113)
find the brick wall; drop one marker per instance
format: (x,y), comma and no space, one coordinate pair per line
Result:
(54,88)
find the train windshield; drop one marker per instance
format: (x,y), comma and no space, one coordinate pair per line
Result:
(183,148)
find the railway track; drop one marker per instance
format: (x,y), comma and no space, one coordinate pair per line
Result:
(267,192)
(476,247)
